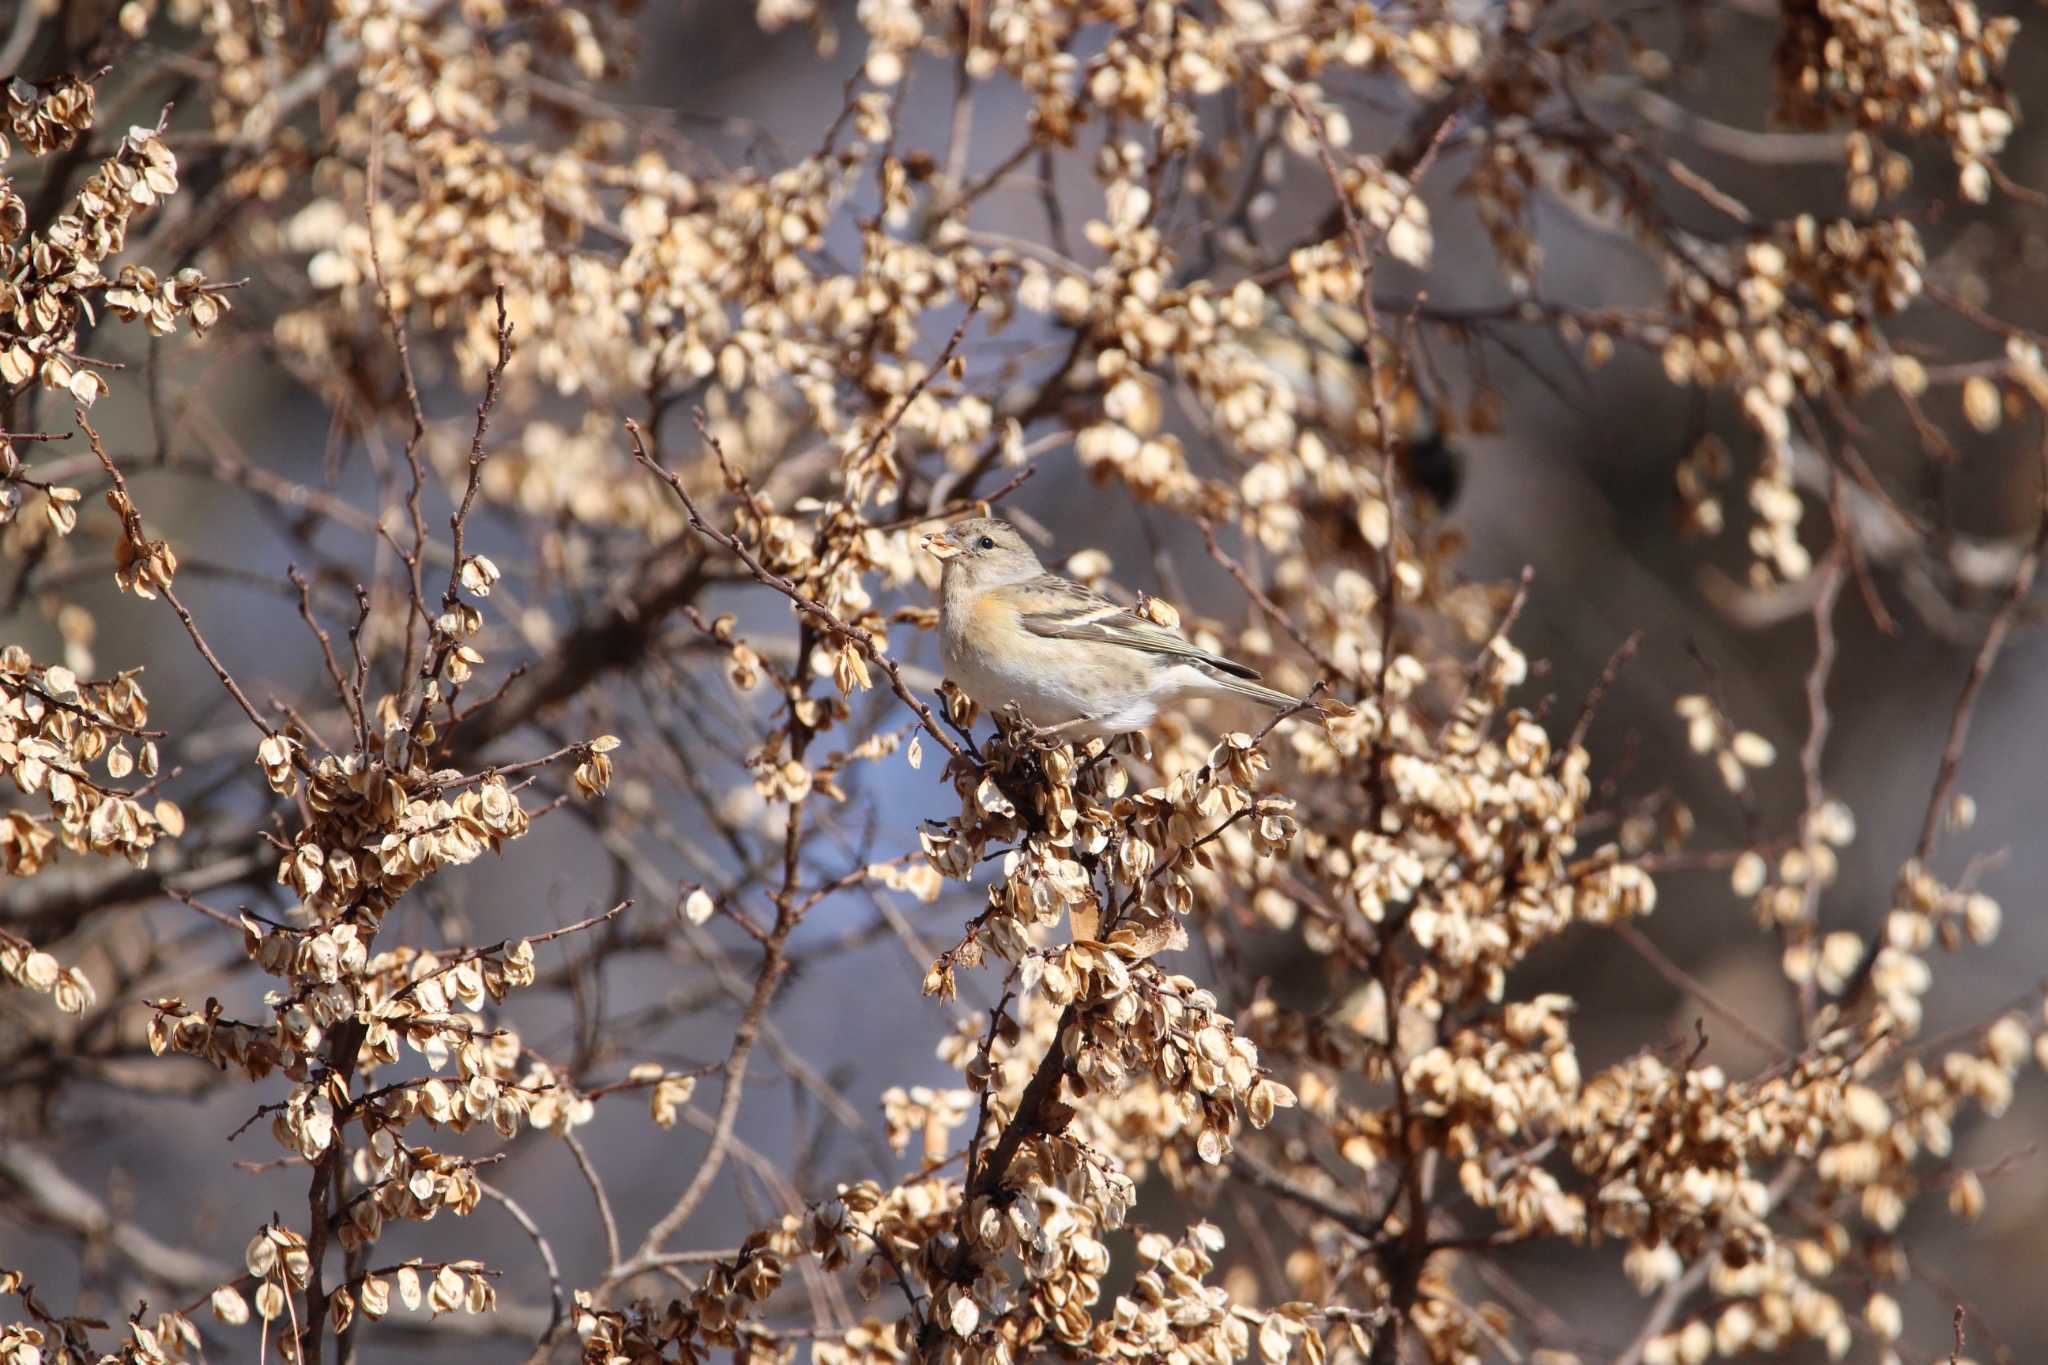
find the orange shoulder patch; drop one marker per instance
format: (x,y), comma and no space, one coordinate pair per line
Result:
(993,611)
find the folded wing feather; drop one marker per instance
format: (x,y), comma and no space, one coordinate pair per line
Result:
(1087,615)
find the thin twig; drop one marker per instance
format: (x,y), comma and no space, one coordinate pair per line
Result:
(351,700)
(823,614)
(458,520)
(1995,636)
(133,526)
(1811,752)
(1266,604)
(1252,1171)
(1477,669)
(490,950)
(1681,1289)
(597,1192)
(774,966)
(1602,685)
(1692,986)
(558,1298)
(396,322)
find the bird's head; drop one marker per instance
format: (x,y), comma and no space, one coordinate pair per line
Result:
(984,552)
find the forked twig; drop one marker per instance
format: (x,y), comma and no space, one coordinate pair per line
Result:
(818,611)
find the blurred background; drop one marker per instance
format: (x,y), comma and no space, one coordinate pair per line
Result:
(1575,483)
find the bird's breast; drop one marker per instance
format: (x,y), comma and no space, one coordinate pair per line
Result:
(981,637)
(991,657)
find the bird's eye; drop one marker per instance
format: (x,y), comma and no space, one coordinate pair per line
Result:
(986,543)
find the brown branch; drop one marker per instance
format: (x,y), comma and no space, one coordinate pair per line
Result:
(372,179)
(1995,636)
(1602,685)
(1255,1172)
(965,503)
(557,1296)
(133,527)
(700,1184)
(493,378)
(1811,752)
(70,1206)
(23,682)
(1361,249)
(1266,604)
(459,519)
(617,640)
(1477,668)
(774,965)
(324,1170)
(1032,1117)
(472,954)
(1692,986)
(350,699)
(968,195)
(824,615)
(597,1192)
(44,913)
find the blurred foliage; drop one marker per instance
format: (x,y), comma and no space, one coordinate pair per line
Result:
(713,391)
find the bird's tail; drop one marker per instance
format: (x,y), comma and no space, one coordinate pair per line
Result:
(1258,692)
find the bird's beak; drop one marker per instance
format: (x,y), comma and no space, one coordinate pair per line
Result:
(938,547)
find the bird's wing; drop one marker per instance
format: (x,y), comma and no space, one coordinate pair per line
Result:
(1059,609)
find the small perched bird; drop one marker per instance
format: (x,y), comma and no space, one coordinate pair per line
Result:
(1072,661)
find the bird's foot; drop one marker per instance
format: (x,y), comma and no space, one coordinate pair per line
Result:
(1037,736)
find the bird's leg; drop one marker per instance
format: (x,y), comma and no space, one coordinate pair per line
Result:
(1033,734)
(1042,736)
(1068,732)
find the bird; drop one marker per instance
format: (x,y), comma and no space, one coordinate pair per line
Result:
(1071,661)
